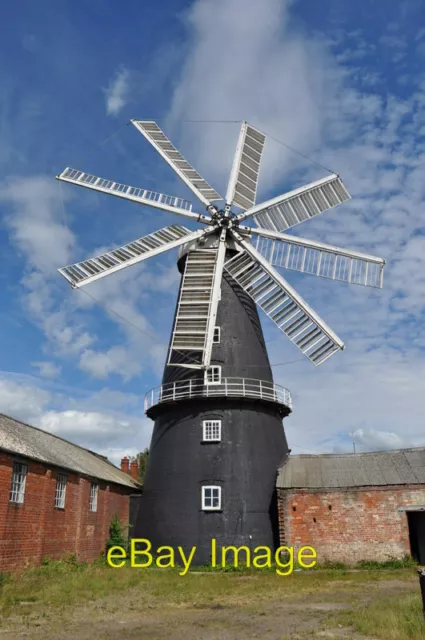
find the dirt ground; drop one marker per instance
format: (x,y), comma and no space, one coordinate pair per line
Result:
(130,615)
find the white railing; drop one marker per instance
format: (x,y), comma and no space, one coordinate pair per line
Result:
(228,387)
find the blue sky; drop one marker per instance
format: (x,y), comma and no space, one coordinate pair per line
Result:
(344,85)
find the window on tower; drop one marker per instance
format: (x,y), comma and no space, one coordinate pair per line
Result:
(211,430)
(216,336)
(213,375)
(211,498)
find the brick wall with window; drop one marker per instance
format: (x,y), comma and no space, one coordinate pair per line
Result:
(40,526)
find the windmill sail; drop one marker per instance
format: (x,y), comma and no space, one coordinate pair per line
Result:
(82,273)
(141,196)
(195,308)
(298,205)
(253,266)
(283,305)
(307,256)
(174,158)
(242,188)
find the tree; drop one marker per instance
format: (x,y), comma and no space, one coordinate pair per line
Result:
(116,537)
(142,461)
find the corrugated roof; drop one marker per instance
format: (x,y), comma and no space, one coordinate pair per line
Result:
(330,470)
(30,442)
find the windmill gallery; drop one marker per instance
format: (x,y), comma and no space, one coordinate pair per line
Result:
(218,436)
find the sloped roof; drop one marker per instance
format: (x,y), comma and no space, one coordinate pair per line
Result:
(30,442)
(329,470)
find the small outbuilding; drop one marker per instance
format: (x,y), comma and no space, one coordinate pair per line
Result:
(351,507)
(56,498)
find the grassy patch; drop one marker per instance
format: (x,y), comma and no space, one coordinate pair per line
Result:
(392,619)
(61,583)
(391,563)
(55,589)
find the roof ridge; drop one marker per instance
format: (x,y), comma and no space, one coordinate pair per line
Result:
(358,453)
(74,446)
(49,433)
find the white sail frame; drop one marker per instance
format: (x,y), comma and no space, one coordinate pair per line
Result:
(271,271)
(237,174)
(188,182)
(293,195)
(148,198)
(128,263)
(326,248)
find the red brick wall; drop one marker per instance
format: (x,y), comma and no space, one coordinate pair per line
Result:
(34,530)
(362,524)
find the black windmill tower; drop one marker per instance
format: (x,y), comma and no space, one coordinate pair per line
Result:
(218,436)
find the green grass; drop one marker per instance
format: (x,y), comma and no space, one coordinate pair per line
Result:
(391,563)
(398,618)
(57,587)
(65,582)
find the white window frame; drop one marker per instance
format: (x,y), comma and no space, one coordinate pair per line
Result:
(205,499)
(217,335)
(214,371)
(18,482)
(60,495)
(211,430)
(94,490)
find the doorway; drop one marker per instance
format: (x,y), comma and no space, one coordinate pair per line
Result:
(416,522)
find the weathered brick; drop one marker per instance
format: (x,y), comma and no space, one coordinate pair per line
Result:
(34,530)
(362,523)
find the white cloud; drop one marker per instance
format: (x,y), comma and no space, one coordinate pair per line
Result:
(117,93)
(22,401)
(90,427)
(34,218)
(112,398)
(106,431)
(115,360)
(371,439)
(47,369)
(111,434)
(123,297)
(247,62)
(65,332)
(377,394)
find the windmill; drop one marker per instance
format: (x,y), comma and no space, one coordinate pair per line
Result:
(218,436)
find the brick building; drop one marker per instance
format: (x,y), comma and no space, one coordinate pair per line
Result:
(56,498)
(354,507)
